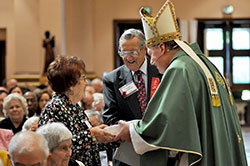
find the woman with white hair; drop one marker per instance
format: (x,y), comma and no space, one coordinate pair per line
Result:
(98,101)
(59,141)
(31,124)
(15,111)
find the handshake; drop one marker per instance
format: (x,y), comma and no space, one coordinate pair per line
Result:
(114,133)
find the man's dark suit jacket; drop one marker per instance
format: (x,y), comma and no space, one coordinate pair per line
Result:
(116,107)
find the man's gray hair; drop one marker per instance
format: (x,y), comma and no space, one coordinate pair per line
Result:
(11,97)
(27,141)
(98,97)
(93,113)
(131,33)
(28,123)
(54,133)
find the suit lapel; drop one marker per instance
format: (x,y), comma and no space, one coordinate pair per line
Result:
(131,100)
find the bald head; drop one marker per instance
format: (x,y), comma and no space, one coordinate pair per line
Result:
(28,148)
(10,83)
(97,85)
(32,102)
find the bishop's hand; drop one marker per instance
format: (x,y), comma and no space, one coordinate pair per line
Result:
(124,134)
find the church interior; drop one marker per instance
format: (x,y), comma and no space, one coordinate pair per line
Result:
(90,29)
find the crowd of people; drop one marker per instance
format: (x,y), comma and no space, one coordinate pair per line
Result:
(21,110)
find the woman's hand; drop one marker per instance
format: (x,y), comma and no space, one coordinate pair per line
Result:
(102,135)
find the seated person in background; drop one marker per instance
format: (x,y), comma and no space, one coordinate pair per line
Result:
(95,117)
(16,89)
(87,101)
(3,94)
(10,83)
(15,111)
(59,139)
(89,88)
(4,159)
(97,84)
(31,124)
(3,88)
(5,137)
(25,89)
(32,102)
(98,102)
(43,97)
(28,149)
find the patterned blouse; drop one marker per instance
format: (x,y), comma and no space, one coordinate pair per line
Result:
(60,109)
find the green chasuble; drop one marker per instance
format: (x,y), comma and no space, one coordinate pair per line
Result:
(181,117)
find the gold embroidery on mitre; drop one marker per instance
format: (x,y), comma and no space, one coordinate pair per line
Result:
(152,23)
(163,38)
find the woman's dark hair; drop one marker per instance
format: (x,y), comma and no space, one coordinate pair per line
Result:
(65,72)
(16,86)
(39,95)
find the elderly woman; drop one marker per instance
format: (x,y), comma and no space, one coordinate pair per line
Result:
(31,124)
(66,76)
(59,141)
(98,101)
(15,111)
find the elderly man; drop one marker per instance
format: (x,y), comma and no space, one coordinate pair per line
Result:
(98,101)
(3,94)
(32,102)
(191,119)
(10,83)
(128,89)
(97,84)
(28,149)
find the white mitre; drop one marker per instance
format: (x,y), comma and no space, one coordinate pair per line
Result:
(161,28)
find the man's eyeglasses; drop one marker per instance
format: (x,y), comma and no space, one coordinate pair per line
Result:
(131,52)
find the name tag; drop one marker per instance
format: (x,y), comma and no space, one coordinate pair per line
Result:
(128,89)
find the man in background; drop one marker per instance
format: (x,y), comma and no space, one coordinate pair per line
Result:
(32,103)
(28,148)
(97,84)
(3,94)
